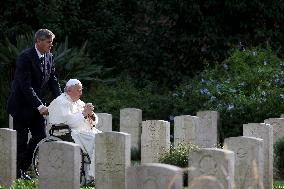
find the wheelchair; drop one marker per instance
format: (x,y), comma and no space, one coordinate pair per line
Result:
(61,132)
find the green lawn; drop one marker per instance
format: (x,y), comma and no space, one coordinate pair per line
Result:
(278,184)
(33,184)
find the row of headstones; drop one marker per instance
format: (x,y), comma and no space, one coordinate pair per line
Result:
(155,137)
(241,164)
(59,164)
(205,122)
(155,134)
(202,130)
(254,164)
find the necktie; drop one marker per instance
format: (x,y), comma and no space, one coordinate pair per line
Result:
(42,62)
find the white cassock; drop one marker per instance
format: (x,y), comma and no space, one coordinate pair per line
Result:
(64,110)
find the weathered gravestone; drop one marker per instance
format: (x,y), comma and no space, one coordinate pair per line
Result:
(59,165)
(112,159)
(265,132)
(187,130)
(130,122)
(278,127)
(155,140)
(206,182)
(209,123)
(154,176)
(248,161)
(212,162)
(8,149)
(105,122)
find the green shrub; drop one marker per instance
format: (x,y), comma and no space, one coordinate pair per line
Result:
(278,158)
(245,88)
(23,184)
(178,155)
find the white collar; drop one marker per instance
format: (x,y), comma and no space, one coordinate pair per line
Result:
(69,98)
(38,53)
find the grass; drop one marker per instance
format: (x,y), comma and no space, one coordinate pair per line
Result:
(278,184)
(33,184)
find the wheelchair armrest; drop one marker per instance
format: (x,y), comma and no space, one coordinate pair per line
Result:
(58,127)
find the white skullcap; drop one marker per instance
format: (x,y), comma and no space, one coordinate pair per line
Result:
(73,82)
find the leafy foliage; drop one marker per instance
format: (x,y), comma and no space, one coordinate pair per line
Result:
(76,63)
(245,88)
(278,158)
(23,184)
(161,41)
(8,55)
(178,155)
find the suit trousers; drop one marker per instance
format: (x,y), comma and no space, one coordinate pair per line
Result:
(25,148)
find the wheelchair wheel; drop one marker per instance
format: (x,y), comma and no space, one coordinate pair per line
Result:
(35,159)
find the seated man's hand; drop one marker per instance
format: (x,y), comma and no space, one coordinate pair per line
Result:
(88,109)
(90,105)
(93,116)
(43,110)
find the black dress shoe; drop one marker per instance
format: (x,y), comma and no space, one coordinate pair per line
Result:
(25,176)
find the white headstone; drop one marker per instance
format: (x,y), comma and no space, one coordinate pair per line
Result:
(186,129)
(155,140)
(112,159)
(130,122)
(265,132)
(212,162)
(154,176)
(209,123)
(105,122)
(206,182)
(8,149)
(278,127)
(248,161)
(59,165)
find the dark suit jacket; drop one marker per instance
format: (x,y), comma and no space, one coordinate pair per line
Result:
(30,83)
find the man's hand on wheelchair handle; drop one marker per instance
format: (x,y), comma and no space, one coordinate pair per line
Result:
(43,110)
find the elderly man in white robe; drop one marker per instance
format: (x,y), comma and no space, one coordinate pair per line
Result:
(70,110)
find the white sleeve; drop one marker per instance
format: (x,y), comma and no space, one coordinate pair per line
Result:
(60,112)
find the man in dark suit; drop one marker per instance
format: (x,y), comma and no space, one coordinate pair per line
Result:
(35,73)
